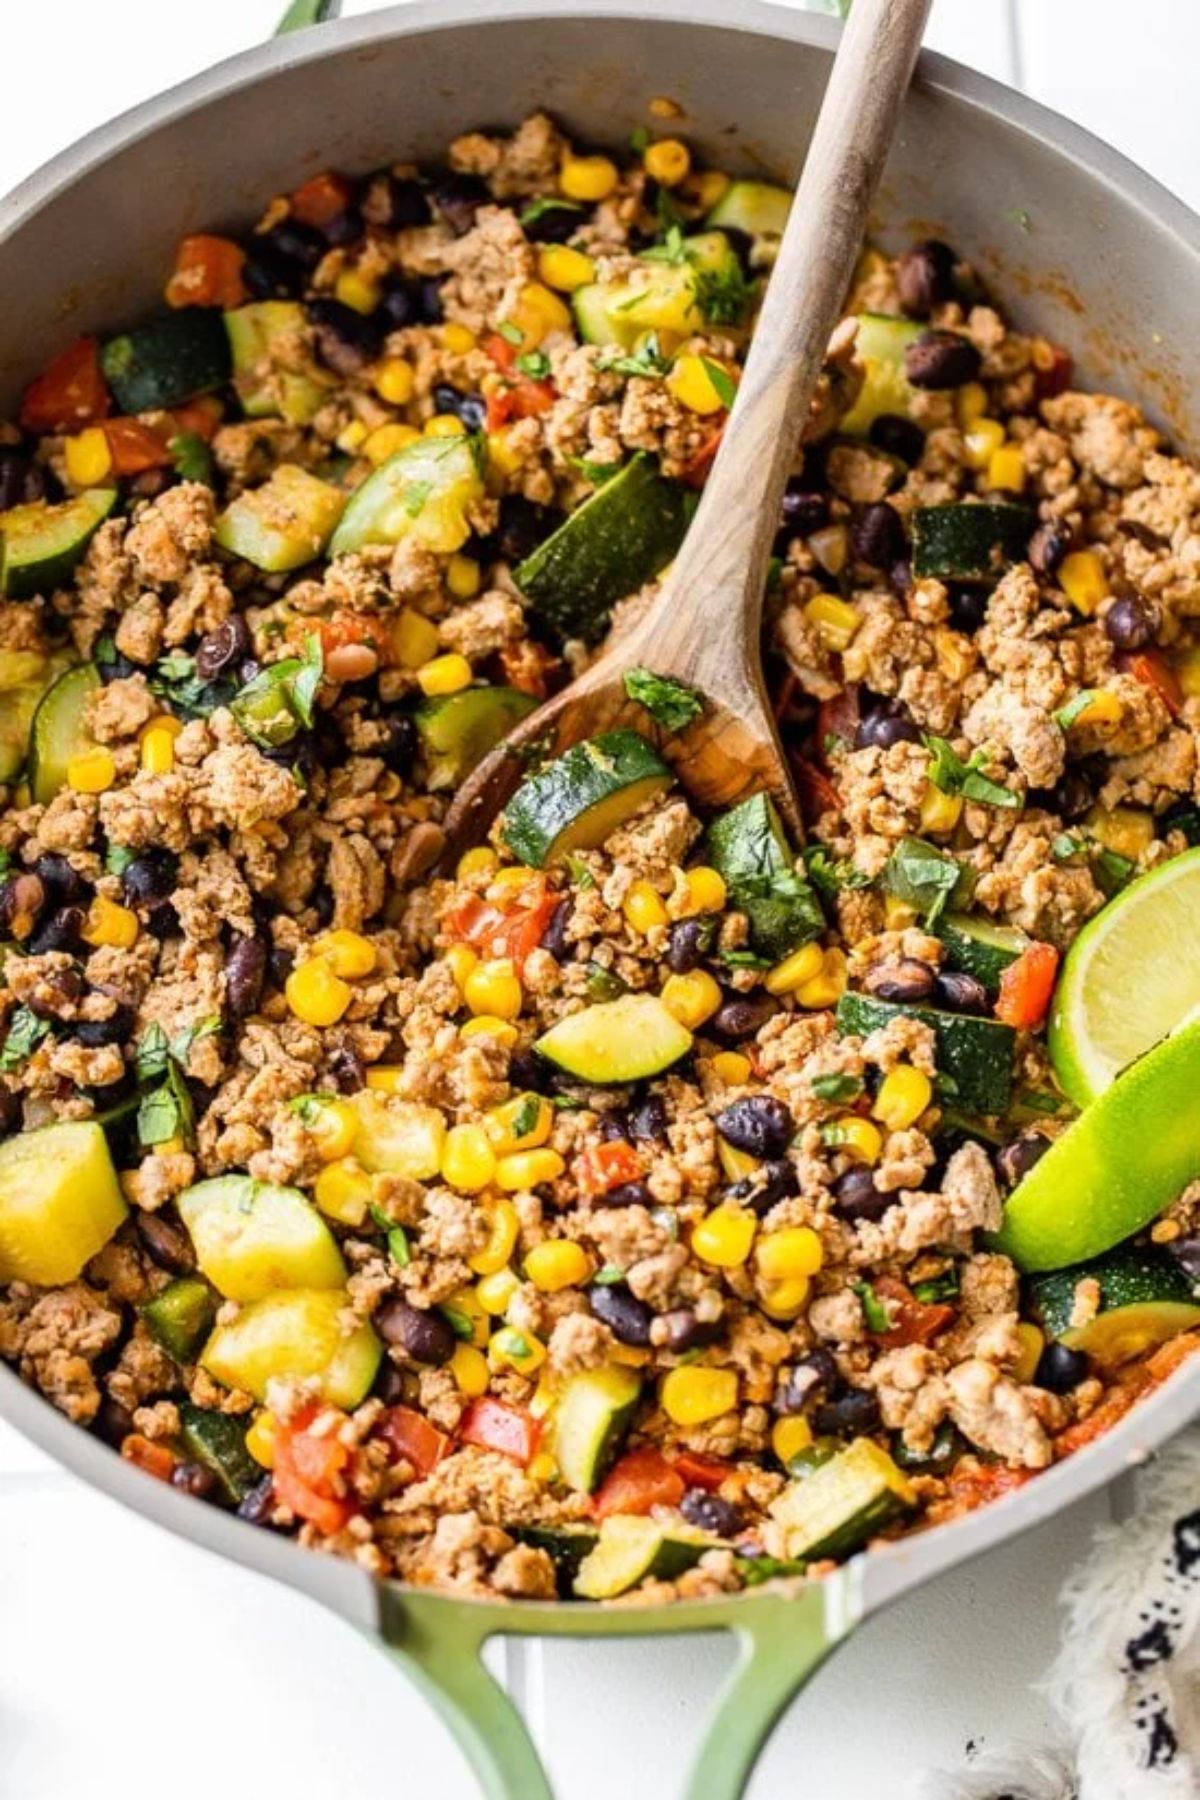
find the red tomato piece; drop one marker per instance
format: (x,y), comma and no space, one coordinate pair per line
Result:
(913,1321)
(200,416)
(706,1472)
(133,447)
(509,1430)
(502,353)
(207,272)
(814,790)
(149,1455)
(504,931)
(321,198)
(1152,669)
(641,1480)
(1056,377)
(411,1436)
(695,472)
(309,1477)
(1026,986)
(70,394)
(523,400)
(972,1488)
(602,1167)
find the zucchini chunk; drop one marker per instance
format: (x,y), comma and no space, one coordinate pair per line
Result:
(283,524)
(975,1054)
(59,730)
(880,345)
(758,208)
(427,491)
(659,297)
(593,1414)
(168,360)
(295,1333)
(25,675)
(458,730)
(60,1201)
(615,1041)
(620,538)
(217,1440)
(748,846)
(973,541)
(582,797)
(979,947)
(631,1549)
(252,1237)
(261,336)
(40,544)
(565,1545)
(836,1509)
(1145,1298)
(181,1317)
(398,1137)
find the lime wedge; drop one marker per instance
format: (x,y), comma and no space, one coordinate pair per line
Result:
(1129,978)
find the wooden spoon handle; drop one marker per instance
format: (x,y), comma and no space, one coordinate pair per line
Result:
(727,548)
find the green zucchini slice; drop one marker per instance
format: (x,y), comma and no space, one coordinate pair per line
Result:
(60,1201)
(880,346)
(427,491)
(1145,1298)
(613,1041)
(217,1440)
(749,847)
(580,799)
(979,947)
(633,1549)
(252,1237)
(589,304)
(621,537)
(283,524)
(25,675)
(974,1054)
(298,1333)
(758,208)
(181,1317)
(59,730)
(973,541)
(260,335)
(566,1546)
(593,1414)
(844,1503)
(458,730)
(664,296)
(168,360)
(40,544)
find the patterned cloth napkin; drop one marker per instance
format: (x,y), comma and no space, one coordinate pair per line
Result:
(1125,1685)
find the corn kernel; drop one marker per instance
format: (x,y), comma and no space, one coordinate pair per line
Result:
(789,1436)
(643,908)
(463,577)
(497,1289)
(509,1348)
(444,675)
(395,381)
(385,1078)
(88,458)
(702,890)
(785,1299)
(731,1067)
(157,751)
(981,442)
(693,385)
(855,1137)
(693,1395)
(414,639)
(668,162)
(903,1095)
(565,269)
(445,425)
(834,621)
(1083,581)
(939,812)
(487,1026)
(898,914)
(528,1169)
(332,1125)
(479,861)
(785,1255)
(736,1164)
(470,1370)
(172,1146)
(1187,668)
(503,1226)
(1126,829)
(385,440)
(357,291)
(796,970)
(343,1192)
(351,437)
(953,651)
(1006,469)
(503,457)
(465,1300)
(543,1467)
(724,1238)
(557,1263)
(109,924)
(315,994)
(260,1439)
(1103,708)
(520,1124)
(507,882)
(827,988)
(460,959)
(709,186)
(468,1160)
(970,403)
(348,953)
(92,771)
(692,998)
(458,339)
(1032,1345)
(587,177)
(161,722)
(493,990)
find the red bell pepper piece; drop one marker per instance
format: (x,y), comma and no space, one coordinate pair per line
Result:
(602,1167)
(1026,986)
(207,272)
(411,1436)
(502,353)
(1152,669)
(706,1472)
(70,394)
(133,447)
(1056,377)
(149,1455)
(321,199)
(200,416)
(913,1321)
(504,931)
(523,400)
(509,1430)
(309,1476)
(641,1480)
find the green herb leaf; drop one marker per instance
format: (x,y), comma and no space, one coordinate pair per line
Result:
(639,140)
(755,1570)
(830,875)
(595,472)
(279,701)
(648,360)
(533,212)
(670,703)
(837,1087)
(1036,1100)
(192,458)
(952,775)
(937,1288)
(724,295)
(608,1276)
(166,1112)
(174,680)
(744,959)
(512,334)
(577,869)
(922,876)
(672,250)
(397,1244)
(117,859)
(535,364)
(874,1311)
(724,386)
(526,1116)
(1066,715)
(1113,872)
(25,1033)
(151,1053)
(460,1323)
(1066,845)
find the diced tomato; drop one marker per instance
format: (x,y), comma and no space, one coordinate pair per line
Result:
(492,1425)
(1152,669)
(321,198)
(602,1167)
(641,1480)
(522,400)
(814,790)
(201,416)
(1113,1407)
(969,1488)
(1026,986)
(1056,377)
(706,1472)
(347,628)
(70,394)
(207,272)
(308,1475)
(512,931)
(838,718)
(526,665)
(695,472)
(502,353)
(1170,1356)
(411,1436)
(133,447)
(149,1455)
(913,1321)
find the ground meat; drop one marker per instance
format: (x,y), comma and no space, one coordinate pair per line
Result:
(997,1415)
(55,1339)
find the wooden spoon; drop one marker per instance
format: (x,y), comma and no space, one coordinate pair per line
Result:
(704,626)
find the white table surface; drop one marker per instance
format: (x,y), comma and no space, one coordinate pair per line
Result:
(132,1665)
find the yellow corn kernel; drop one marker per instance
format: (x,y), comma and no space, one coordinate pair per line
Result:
(827,988)
(557,1263)
(444,675)
(702,890)
(735,1164)
(92,771)
(970,403)
(348,953)
(463,577)
(385,440)
(509,1348)
(724,1238)
(1032,1345)
(157,751)
(445,425)
(1083,581)
(731,1067)
(468,1160)
(528,1169)
(503,457)
(693,385)
(643,908)
(497,1289)
(1006,469)
(939,812)
(834,621)
(460,959)
(315,994)
(356,290)
(1126,829)
(351,437)
(493,990)
(414,639)
(953,652)
(786,1255)
(520,1124)
(332,1125)
(458,339)
(855,1137)
(343,1192)
(565,269)
(503,1225)
(692,998)
(668,162)
(486,1026)
(546,306)
(1187,668)
(88,458)
(507,882)
(898,915)
(161,722)
(385,1078)
(172,1146)
(693,1395)
(709,186)
(981,442)
(109,924)
(789,1436)
(395,381)
(470,1370)
(785,1299)
(465,1300)
(542,1467)
(1103,708)
(479,861)
(260,1439)
(796,970)
(587,177)
(903,1095)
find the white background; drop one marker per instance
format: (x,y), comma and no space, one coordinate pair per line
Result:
(132,1666)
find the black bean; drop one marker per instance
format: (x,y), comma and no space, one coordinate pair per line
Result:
(194,1479)
(628,1318)
(941,359)
(116,667)
(63,885)
(394,202)
(458,198)
(1072,795)
(245,972)
(900,575)
(1186,1252)
(681,1330)
(856,1198)
(770,1183)
(925,277)
(11,1111)
(113,1421)
(400,746)
(1131,623)
(470,408)
(348,1070)
(116,1029)
(1015,1159)
(809,1376)
(803,512)
(685,945)
(162,921)
(1047,548)
(968,607)
(898,437)
(58,931)
(959,992)
(554,938)
(390,1384)
(218,650)
(152,875)
(1059,1369)
(744,1016)
(708,1512)
(259,1503)
(759,1124)
(270,275)
(877,535)
(424,1336)
(905,981)
(429,299)
(852,1414)
(346,340)
(63,988)
(400,303)
(630,1193)
(555,224)
(523,525)
(16,478)
(614,1128)
(344,228)
(322,904)
(648,1121)
(293,239)
(526,1069)
(884,726)
(166,1242)
(22,897)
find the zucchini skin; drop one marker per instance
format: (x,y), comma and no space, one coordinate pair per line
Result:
(1127,1276)
(218,1442)
(556,799)
(181,1317)
(168,360)
(968,541)
(748,847)
(27,569)
(975,954)
(975,1053)
(458,730)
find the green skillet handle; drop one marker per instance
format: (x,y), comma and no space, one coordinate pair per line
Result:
(307,12)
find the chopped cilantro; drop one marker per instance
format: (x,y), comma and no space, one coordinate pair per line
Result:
(279,701)
(1066,845)
(166,1111)
(25,1033)
(670,703)
(1066,715)
(937,1288)
(754,1570)
(829,875)
(724,386)
(874,1311)
(533,212)
(952,775)
(724,295)
(512,334)
(535,364)
(673,248)
(460,1323)
(174,680)
(577,869)
(117,859)
(745,959)
(608,1276)
(837,1087)
(1113,871)
(923,876)
(648,361)
(526,1116)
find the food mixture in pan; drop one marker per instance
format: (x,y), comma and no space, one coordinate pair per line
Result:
(650,1205)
